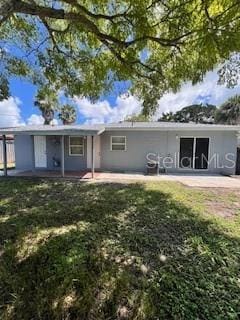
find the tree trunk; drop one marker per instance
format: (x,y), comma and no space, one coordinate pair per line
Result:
(66,122)
(48,116)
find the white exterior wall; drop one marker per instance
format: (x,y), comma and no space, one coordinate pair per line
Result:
(139,145)
(166,144)
(221,144)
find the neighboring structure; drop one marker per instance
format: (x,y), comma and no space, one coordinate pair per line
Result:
(127,146)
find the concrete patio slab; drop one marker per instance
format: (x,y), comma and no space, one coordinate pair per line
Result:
(194,180)
(190,180)
(50,174)
(209,181)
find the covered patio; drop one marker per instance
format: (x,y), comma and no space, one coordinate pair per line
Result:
(70,162)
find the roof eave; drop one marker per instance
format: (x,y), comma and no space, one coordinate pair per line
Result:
(52,132)
(174,129)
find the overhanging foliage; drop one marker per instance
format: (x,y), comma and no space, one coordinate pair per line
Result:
(82,47)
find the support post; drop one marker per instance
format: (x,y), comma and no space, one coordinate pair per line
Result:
(33,154)
(4,155)
(93,157)
(62,157)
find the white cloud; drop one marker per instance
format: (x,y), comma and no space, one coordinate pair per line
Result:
(103,112)
(207,91)
(10,113)
(54,122)
(36,119)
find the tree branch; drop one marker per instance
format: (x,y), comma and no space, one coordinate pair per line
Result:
(96,15)
(50,32)
(36,49)
(60,14)
(4,18)
(55,45)
(46,12)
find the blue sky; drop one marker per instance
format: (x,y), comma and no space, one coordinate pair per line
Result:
(25,91)
(20,110)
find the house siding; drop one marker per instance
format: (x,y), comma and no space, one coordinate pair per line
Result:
(166,144)
(75,162)
(24,154)
(72,163)
(139,145)
(220,144)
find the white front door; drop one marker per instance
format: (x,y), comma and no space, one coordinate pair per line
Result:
(97,152)
(40,151)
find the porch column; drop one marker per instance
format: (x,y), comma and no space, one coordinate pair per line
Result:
(33,154)
(62,157)
(93,152)
(4,155)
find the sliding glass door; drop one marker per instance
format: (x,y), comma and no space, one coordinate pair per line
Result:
(186,152)
(201,153)
(194,153)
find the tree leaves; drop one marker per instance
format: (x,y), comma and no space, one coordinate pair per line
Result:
(47,102)
(82,47)
(4,88)
(194,113)
(67,114)
(229,112)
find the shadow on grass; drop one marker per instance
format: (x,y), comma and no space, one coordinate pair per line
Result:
(97,251)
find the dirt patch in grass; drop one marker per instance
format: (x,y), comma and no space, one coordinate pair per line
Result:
(221,202)
(224,203)
(221,209)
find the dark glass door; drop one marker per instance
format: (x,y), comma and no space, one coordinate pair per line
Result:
(186,153)
(201,153)
(238,162)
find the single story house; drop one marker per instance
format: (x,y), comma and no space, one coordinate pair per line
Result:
(127,146)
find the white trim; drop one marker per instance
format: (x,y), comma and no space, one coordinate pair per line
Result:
(97,149)
(194,151)
(97,142)
(75,145)
(175,128)
(89,152)
(92,130)
(118,143)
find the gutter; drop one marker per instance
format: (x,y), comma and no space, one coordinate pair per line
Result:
(229,129)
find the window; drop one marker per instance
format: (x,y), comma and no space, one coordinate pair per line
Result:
(194,153)
(76,146)
(118,143)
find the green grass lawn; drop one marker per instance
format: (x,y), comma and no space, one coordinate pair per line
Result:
(73,250)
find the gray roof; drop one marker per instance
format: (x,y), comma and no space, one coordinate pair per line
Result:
(54,129)
(99,128)
(158,125)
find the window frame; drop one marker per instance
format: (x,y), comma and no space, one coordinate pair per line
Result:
(75,145)
(118,143)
